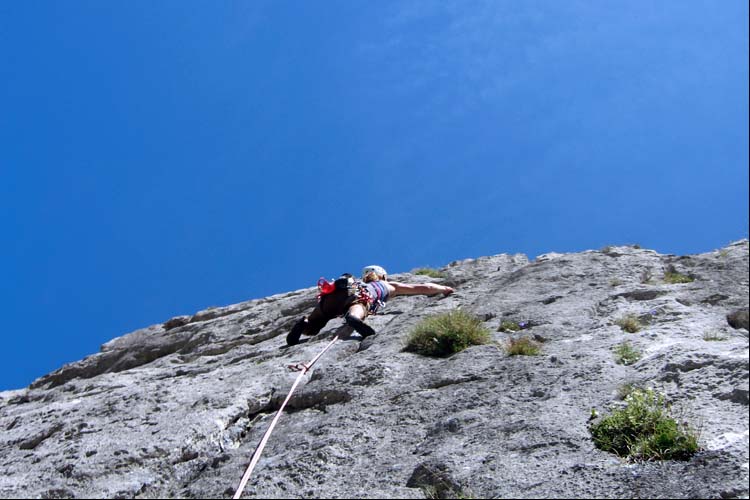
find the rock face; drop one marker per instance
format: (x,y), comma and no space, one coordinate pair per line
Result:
(176,410)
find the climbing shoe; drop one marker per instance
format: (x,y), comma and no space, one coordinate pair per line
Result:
(363,329)
(293,337)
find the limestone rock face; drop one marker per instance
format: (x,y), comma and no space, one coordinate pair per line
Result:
(177,409)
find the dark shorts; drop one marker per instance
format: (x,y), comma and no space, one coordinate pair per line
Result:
(330,306)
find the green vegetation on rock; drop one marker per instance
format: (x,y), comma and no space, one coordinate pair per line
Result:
(523,347)
(672,277)
(644,430)
(625,354)
(444,334)
(630,323)
(428,271)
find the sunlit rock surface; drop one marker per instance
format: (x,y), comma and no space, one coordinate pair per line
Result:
(177,409)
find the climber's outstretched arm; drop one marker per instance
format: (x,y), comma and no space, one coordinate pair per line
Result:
(420,289)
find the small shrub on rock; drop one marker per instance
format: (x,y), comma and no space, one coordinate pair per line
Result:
(626,390)
(448,333)
(675,278)
(522,347)
(713,337)
(507,325)
(672,277)
(625,354)
(428,271)
(629,323)
(644,430)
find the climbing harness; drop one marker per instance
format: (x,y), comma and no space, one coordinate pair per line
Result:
(363,295)
(371,295)
(303,369)
(377,294)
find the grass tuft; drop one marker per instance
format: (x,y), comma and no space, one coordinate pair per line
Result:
(522,347)
(644,430)
(626,389)
(428,271)
(672,277)
(675,278)
(625,354)
(507,325)
(445,334)
(629,323)
(714,337)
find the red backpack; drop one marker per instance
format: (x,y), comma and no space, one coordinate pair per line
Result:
(344,282)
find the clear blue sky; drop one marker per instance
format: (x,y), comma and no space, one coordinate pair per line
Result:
(161,157)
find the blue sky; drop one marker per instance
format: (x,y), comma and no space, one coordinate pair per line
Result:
(158,158)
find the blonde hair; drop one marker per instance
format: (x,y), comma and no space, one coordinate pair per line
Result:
(372,276)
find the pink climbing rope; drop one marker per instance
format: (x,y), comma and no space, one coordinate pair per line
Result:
(303,369)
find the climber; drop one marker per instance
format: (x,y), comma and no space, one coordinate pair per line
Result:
(355,300)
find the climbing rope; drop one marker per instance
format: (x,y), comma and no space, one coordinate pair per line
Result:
(303,369)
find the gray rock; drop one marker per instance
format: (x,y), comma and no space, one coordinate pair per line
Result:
(176,322)
(739,319)
(177,409)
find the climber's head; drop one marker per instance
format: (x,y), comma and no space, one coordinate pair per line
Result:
(374,273)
